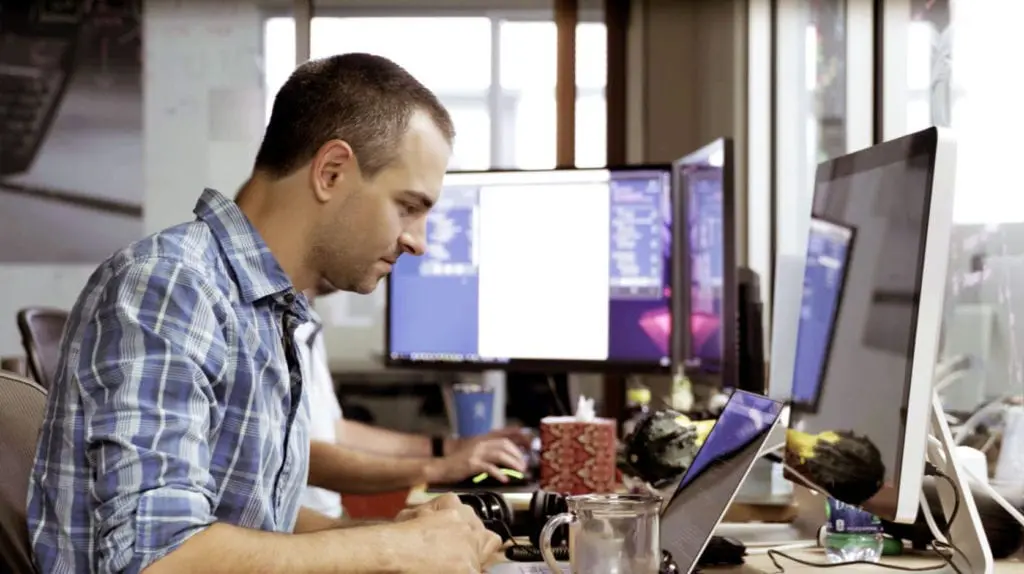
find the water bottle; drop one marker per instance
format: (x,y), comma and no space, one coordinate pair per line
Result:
(851,534)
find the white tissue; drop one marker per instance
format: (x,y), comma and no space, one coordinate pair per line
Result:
(585,409)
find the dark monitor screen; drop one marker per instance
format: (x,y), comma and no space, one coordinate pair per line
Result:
(714,477)
(705,191)
(828,248)
(858,361)
(561,267)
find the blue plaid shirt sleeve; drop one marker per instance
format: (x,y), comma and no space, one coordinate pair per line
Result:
(147,362)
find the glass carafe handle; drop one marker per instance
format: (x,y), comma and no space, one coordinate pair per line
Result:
(545,539)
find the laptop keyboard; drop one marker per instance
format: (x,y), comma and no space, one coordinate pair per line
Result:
(31,77)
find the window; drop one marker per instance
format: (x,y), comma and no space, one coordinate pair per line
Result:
(507,123)
(811,107)
(528,76)
(949,64)
(823,109)
(960,83)
(432,49)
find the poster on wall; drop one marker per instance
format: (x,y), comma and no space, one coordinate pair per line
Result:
(71,149)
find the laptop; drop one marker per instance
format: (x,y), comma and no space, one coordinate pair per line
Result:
(695,505)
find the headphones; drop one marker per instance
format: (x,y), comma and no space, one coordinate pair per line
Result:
(497,515)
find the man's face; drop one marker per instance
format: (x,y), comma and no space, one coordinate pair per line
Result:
(361,236)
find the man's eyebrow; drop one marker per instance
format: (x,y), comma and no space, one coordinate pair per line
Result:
(421,197)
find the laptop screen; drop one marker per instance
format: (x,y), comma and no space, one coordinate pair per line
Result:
(711,482)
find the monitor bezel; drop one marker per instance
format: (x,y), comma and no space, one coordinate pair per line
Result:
(812,407)
(908,476)
(538,365)
(728,366)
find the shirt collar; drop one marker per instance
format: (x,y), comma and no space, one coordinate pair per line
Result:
(256,270)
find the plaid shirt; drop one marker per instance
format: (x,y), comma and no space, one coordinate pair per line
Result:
(177,403)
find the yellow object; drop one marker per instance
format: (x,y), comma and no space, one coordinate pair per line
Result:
(802,444)
(703,428)
(639,396)
(506,471)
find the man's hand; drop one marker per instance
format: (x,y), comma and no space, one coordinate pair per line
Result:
(454,539)
(474,456)
(519,436)
(447,501)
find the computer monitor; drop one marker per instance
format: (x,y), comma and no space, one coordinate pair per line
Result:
(828,252)
(558,270)
(873,394)
(706,262)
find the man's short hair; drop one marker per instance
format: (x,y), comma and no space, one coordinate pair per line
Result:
(363,99)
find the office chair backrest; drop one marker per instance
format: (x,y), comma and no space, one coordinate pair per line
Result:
(41,330)
(22,403)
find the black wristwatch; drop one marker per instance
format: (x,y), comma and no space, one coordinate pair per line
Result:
(437,446)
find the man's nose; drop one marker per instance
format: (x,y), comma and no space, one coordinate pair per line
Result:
(414,241)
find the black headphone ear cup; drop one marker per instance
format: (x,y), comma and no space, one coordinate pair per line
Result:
(479,506)
(498,507)
(538,502)
(543,506)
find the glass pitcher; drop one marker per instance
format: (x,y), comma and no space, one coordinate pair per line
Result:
(608,534)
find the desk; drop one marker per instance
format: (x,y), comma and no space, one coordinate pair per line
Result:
(761,564)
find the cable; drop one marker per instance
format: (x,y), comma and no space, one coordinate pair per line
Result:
(929,519)
(976,417)
(774,555)
(948,380)
(781,548)
(520,553)
(941,539)
(956,497)
(553,388)
(994,494)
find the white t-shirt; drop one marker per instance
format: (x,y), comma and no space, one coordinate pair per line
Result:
(324,409)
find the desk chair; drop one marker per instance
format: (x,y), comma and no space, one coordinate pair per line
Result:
(41,330)
(22,403)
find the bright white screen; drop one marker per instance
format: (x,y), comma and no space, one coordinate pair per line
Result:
(544,269)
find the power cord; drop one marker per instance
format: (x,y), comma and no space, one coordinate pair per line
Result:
(942,549)
(774,556)
(525,552)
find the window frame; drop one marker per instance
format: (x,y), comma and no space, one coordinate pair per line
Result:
(501,103)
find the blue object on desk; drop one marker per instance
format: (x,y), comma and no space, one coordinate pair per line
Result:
(474,410)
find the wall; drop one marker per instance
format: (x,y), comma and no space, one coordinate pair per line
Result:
(203,112)
(693,62)
(688,76)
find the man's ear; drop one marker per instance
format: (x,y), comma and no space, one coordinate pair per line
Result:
(328,168)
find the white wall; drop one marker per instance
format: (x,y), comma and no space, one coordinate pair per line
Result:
(203,116)
(203,102)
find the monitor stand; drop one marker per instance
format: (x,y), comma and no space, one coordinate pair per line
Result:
(975,554)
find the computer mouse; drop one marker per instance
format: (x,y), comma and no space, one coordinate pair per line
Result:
(484,480)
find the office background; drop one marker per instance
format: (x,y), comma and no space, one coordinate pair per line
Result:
(793,81)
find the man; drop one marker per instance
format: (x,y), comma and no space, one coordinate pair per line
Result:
(349,457)
(176,436)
